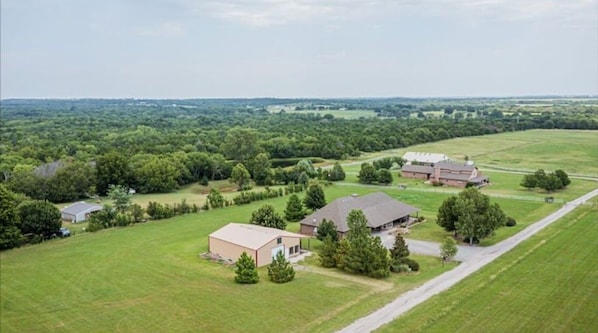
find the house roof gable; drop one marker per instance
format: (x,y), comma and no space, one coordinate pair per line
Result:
(250,236)
(378,208)
(424,157)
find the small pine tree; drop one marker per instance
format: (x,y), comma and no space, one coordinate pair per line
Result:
(337,172)
(314,198)
(328,252)
(246,270)
(280,270)
(341,253)
(294,211)
(400,249)
(379,263)
(327,228)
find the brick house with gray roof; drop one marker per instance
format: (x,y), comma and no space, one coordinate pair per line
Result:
(446,173)
(381,211)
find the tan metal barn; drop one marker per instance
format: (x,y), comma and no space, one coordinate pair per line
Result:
(260,243)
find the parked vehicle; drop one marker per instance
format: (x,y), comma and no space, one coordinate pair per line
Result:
(64,232)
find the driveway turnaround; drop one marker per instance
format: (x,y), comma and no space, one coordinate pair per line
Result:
(410,299)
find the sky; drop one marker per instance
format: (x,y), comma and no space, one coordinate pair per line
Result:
(297,48)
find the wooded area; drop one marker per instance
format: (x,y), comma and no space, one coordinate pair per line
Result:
(63,150)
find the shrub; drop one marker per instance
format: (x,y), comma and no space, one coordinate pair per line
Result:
(413,265)
(435,183)
(511,222)
(401,268)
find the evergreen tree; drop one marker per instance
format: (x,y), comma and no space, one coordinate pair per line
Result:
(327,228)
(337,173)
(328,252)
(341,253)
(280,270)
(294,211)
(358,238)
(400,249)
(378,263)
(245,270)
(266,216)
(314,197)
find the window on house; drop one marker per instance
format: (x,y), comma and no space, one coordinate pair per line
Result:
(296,248)
(279,240)
(291,250)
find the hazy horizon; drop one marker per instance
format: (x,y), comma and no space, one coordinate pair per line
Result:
(327,49)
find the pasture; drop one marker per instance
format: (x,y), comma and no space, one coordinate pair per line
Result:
(546,284)
(574,151)
(343,114)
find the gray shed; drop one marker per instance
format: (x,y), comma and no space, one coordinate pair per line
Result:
(79,212)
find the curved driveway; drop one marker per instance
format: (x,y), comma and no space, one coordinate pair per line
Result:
(477,260)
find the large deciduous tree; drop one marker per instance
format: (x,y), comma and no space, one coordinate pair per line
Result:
(240,176)
(367,174)
(266,216)
(471,215)
(241,144)
(314,197)
(38,217)
(447,214)
(260,168)
(384,177)
(121,199)
(9,219)
(112,168)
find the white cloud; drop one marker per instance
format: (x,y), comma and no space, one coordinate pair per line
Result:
(263,13)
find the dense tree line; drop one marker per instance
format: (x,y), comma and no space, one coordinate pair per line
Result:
(23,220)
(156,146)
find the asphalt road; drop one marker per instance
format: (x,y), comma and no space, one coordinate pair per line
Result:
(471,263)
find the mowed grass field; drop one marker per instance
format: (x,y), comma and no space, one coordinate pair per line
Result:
(149,278)
(574,151)
(546,284)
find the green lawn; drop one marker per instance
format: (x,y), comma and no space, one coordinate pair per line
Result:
(546,284)
(149,277)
